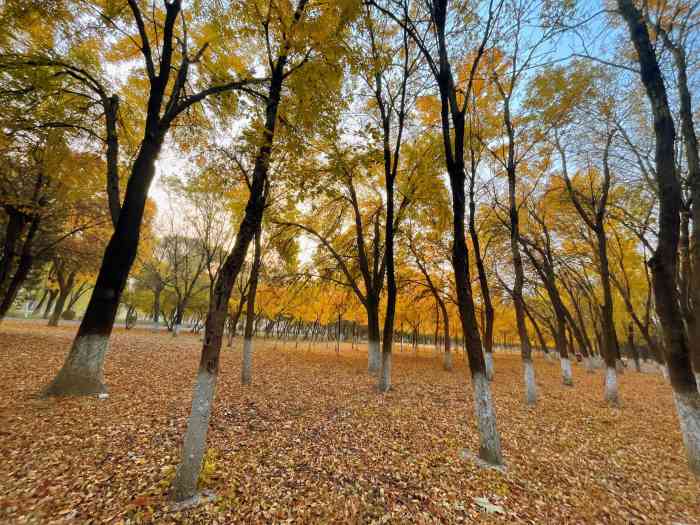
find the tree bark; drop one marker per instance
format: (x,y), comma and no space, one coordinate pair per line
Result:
(525,345)
(247,365)
(82,371)
(373,336)
(16,224)
(665,260)
(185,483)
(64,291)
(49,304)
(111,112)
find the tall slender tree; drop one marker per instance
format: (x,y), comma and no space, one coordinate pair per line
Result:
(428,25)
(290,51)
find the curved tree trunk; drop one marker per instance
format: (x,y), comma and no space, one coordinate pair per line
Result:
(194,445)
(82,371)
(525,345)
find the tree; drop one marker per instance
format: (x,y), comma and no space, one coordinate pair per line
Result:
(664,263)
(48,195)
(286,33)
(593,213)
(433,18)
(168,97)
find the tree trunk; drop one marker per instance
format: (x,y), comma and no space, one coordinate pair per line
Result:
(548,277)
(447,358)
(82,371)
(111,108)
(61,301)
(44,297)
(177,321)
(610,346)
(247,365)
(490,447)
(665,260)
(373,335)
(185,483)
(16,223)
(388,339)
(525,345)
(633,348)
(692,312)
(49,305)
(156,307)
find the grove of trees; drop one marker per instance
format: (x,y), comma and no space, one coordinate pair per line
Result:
(479,176)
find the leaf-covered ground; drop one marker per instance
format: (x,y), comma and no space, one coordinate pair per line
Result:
(312,441)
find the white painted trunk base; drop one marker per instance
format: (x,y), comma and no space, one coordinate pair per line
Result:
(688,408)
(490,449)
(488,359)
(385,375)
(155,327)
(82,372)
(664,371)
(611,391)
(374,357)
(566,376)
(247,365)
(447,361)
(589,365)
(620,366)
(697,380)
(530,385)
(194,445)
(176,330)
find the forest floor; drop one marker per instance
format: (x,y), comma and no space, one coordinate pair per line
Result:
(312,440)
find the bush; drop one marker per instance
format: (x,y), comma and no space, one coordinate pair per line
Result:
(68,315)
